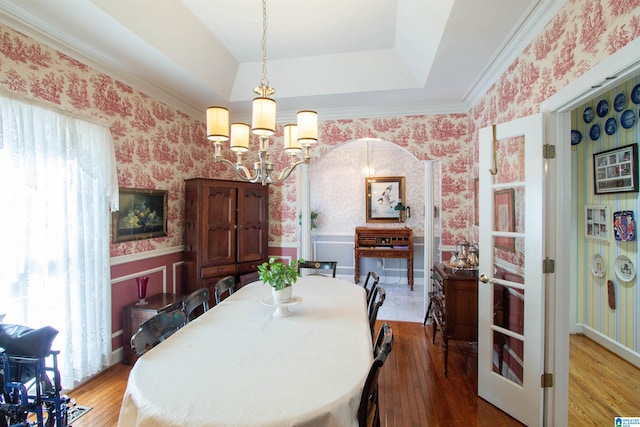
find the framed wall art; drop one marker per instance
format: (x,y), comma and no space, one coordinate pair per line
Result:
(504,218)
(382,196)
(142,215)
(596,222)
(616,170)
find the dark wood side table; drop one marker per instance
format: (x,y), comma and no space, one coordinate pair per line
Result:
(454,308)
(134,315)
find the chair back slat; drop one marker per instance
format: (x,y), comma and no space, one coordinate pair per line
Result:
(198,298)
(157,329)
(224,288)
(379,295)
(368,410)
(319,265)
(370,283)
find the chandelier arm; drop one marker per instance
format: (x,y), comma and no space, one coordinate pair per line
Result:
(284,174)
(241,170)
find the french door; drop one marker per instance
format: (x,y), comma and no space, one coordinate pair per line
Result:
(512,173)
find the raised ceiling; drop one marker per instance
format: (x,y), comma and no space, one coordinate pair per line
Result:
(343,58)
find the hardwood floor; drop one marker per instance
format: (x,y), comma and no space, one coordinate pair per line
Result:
(602,386)
(414,391)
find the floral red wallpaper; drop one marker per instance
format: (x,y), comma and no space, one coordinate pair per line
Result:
(157,146)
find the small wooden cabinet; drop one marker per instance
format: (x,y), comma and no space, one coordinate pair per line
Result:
(384,243)
(454,305)
(226,225)
(134,315)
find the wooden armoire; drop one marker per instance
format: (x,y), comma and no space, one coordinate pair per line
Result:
(226,232)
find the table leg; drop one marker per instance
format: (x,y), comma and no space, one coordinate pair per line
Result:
(446,355)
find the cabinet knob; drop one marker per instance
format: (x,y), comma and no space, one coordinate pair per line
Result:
(485,279)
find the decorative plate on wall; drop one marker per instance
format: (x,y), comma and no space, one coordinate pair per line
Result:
(635,94)
(628,119)
(611,126)
(576,137)
(587,116)
(594,133)
(603,108)
(598,267)
(625,270)
(620,102)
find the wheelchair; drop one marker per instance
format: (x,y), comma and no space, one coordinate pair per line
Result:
(29,379)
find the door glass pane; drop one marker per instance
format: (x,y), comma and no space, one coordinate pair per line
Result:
(509,259)
(510,160)
(508,357)
(508,307)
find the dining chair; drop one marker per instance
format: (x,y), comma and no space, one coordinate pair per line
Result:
(380,339)
(224,287)
(319,265)
(196,299)
(369,409)
(156,329)
(377,300)
(370,283)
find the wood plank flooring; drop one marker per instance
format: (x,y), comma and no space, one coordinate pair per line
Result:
(414,391)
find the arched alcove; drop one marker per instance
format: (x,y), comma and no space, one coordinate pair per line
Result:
(337,184)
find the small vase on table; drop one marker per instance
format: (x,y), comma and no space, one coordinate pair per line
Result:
(142,289)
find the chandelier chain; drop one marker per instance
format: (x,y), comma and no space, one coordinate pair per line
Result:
(264,80)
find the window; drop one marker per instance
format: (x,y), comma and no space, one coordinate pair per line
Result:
(58,182)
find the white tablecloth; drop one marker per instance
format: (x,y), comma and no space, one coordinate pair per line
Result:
(237,365)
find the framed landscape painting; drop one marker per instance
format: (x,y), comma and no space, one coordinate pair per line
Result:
(142,215)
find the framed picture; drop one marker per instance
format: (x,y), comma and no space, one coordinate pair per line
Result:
(624,226)
(476,207)
(616,170)
(383,194)
(504,218)
(142,215)
(596,222)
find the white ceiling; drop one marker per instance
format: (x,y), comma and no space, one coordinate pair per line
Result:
(343,58)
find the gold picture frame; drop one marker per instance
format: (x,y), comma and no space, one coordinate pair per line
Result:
(142,215)
(382,196)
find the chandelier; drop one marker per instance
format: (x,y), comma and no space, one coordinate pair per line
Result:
(298,137)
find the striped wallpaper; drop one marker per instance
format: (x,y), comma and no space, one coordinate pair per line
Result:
(621,324)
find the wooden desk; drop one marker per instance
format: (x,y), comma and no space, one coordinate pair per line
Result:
(384,243)
(134,315)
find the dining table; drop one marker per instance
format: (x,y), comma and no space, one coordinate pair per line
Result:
(243,364)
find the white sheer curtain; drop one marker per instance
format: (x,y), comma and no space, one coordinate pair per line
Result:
(58,182)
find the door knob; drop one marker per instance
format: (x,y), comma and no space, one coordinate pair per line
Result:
(484,278)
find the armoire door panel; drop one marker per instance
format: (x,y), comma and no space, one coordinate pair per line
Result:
(253,223)
(219,227)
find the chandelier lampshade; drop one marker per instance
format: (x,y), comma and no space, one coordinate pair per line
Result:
(217,124)
(307,127)
(291,143)
(240,134)
(263,120)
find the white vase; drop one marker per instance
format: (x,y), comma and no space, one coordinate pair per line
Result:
(281,296)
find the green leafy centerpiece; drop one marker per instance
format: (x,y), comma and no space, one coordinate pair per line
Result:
(280,277)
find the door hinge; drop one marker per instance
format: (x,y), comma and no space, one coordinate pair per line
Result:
(548,266)
(549,151)
(546,380)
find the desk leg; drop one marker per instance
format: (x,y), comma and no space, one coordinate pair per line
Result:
(356,276)
(410,272)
